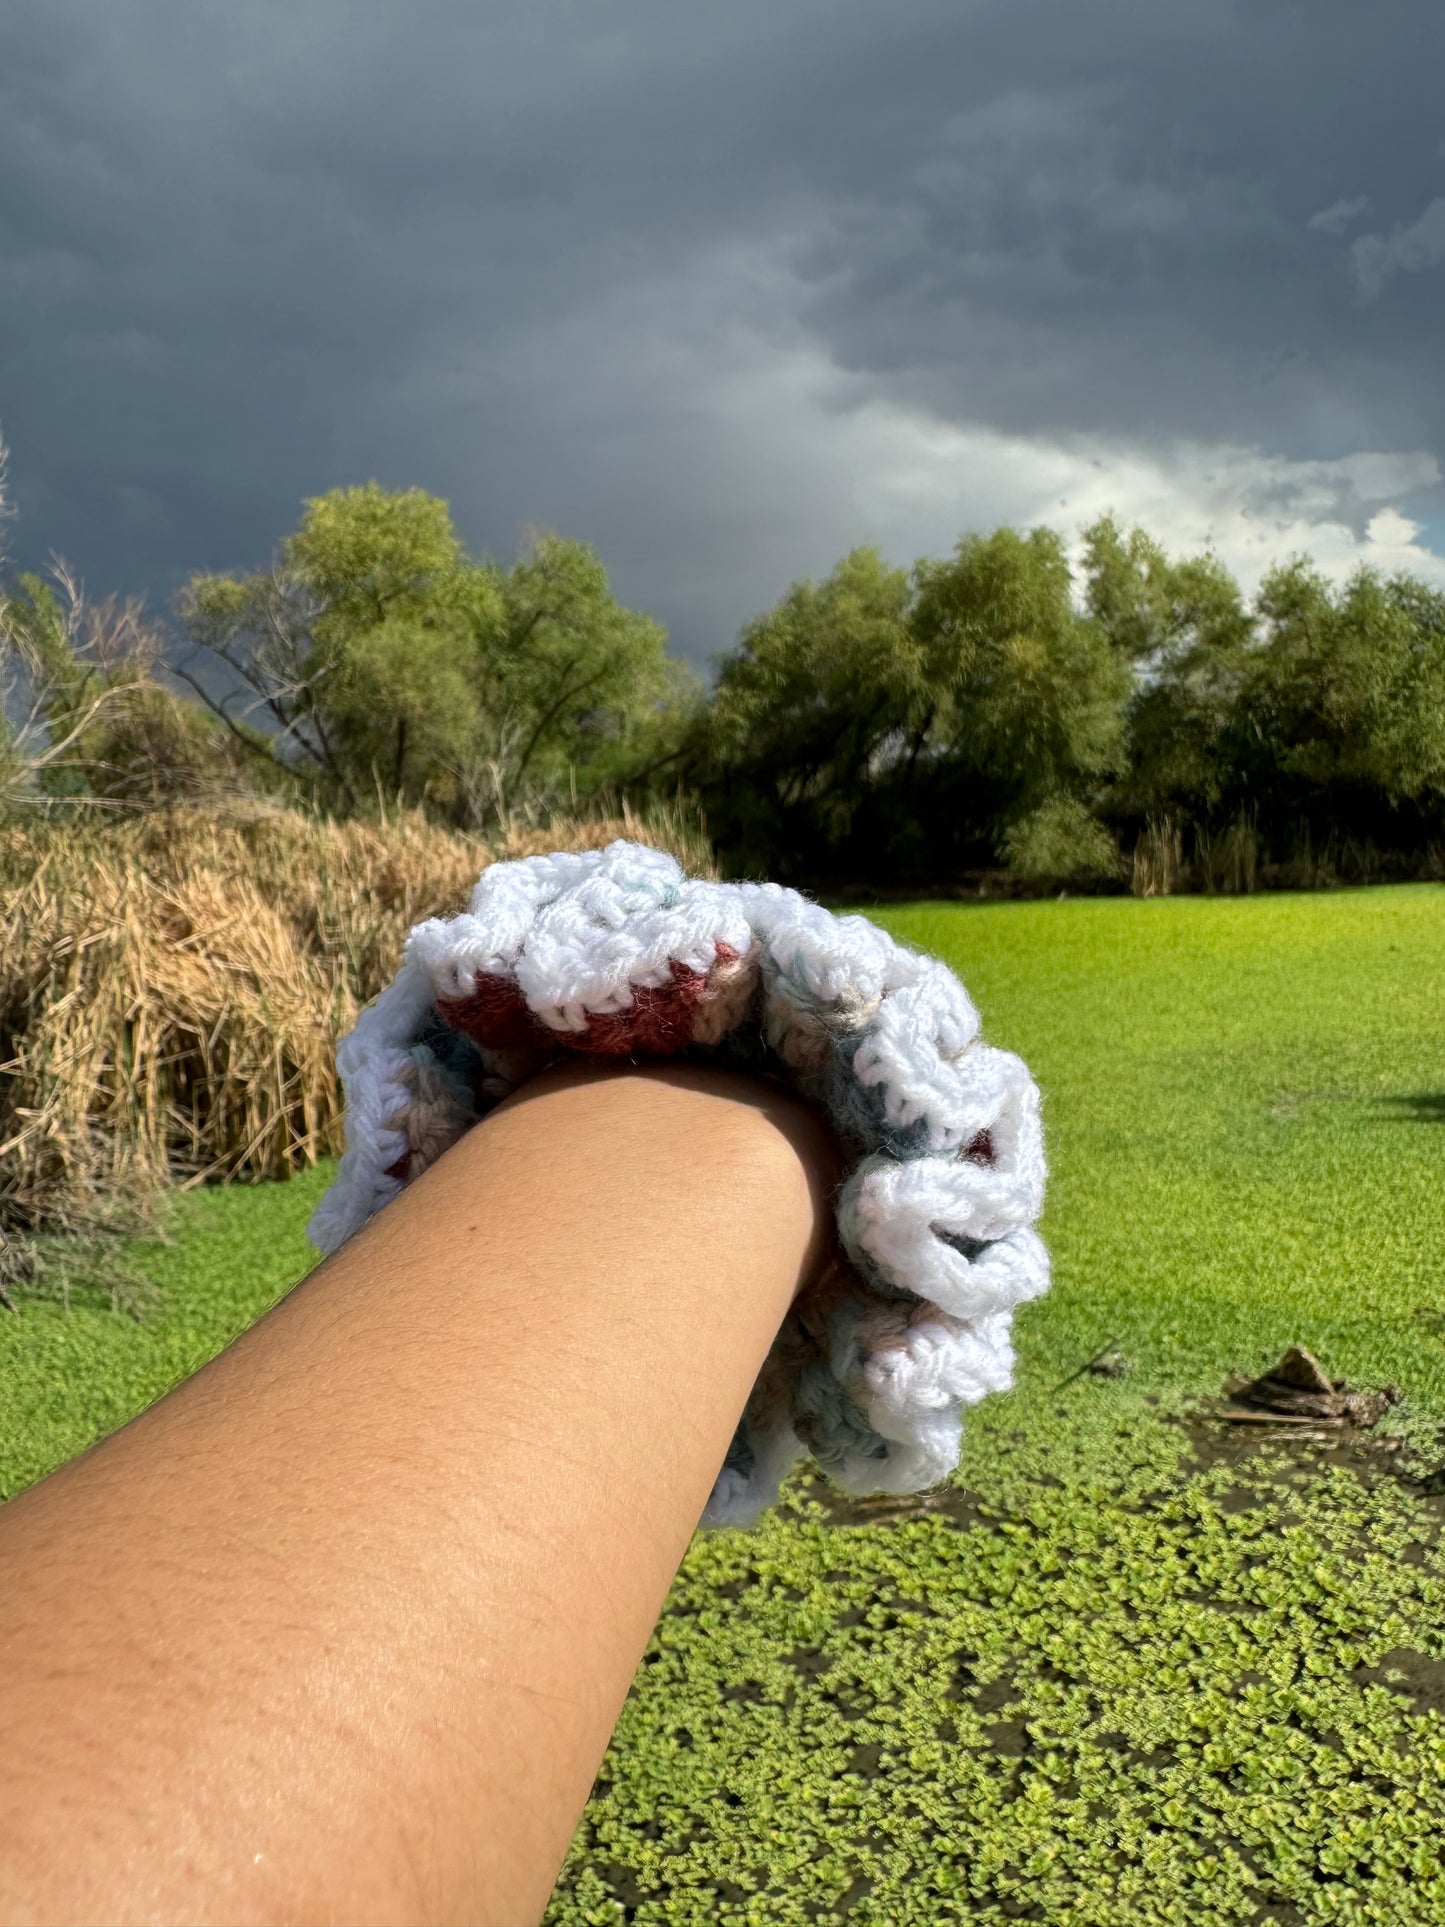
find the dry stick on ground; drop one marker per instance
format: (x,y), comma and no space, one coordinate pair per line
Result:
(1103,1352)
(1298,1391)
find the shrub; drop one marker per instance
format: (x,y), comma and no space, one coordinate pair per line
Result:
(1060,839)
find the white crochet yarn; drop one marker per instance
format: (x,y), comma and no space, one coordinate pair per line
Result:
(616,952)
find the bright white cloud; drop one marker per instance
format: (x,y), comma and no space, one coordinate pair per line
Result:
(725,455)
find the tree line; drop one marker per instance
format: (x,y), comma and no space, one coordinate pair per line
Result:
(1004,708)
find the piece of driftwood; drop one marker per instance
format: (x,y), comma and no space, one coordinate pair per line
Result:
(1298,1391)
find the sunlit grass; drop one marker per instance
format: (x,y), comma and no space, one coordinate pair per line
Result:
(1113,1684)
(1245,1108)
(1133,1688)
(70,1376)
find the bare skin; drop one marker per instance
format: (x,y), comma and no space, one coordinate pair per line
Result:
(338,1631)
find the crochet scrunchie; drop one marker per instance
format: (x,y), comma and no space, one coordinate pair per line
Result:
(617,953)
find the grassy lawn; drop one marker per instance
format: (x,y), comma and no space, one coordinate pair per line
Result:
(1133,1668)
(67,1378)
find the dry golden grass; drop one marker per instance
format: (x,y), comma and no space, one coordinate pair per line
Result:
(172,986)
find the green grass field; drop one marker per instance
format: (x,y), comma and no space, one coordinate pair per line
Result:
(1134,1667)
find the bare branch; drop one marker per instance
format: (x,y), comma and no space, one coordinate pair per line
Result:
(105,699)
(219,710)
(550,714)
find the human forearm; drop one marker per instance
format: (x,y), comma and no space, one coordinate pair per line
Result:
(340,1629)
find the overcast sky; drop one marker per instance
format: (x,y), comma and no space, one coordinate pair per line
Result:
(727,289)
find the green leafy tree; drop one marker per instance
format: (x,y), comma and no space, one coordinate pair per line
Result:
(888,723)
(1318,709)
(75,686)
(572,685)
(347,660)
(820,708)
(1184,628)
(380,659)
(57,678)
(1031,696)
(1345,707)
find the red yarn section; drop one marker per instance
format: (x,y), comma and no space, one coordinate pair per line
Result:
(495,1015)
(658,1023)
(981,1149)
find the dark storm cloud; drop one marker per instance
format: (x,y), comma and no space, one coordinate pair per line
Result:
(1125,193)
(246,253)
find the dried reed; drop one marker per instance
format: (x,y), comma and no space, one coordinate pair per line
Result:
(172,986)
(1158,860)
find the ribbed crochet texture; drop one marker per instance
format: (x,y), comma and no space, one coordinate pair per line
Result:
(617,953)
